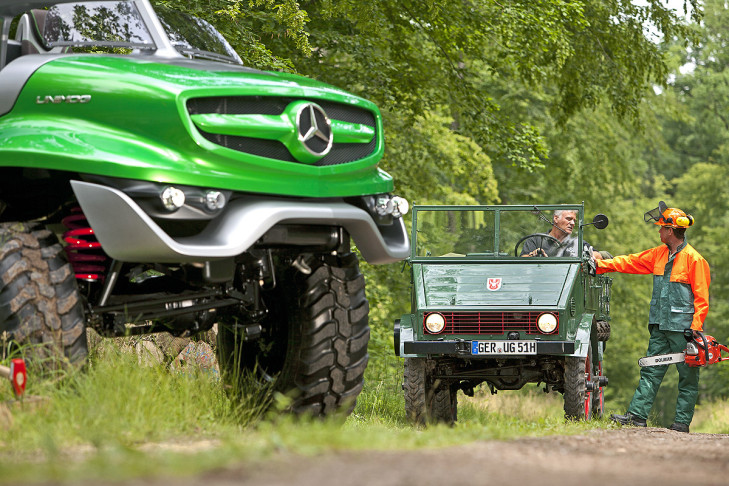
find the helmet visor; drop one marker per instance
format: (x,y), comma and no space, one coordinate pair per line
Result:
(655,214)
(652,215)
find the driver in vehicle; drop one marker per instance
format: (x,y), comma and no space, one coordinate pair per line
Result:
(559,242)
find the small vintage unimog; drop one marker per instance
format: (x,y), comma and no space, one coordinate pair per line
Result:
(507,296)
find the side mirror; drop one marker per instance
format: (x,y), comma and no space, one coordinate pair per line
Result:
(600,221)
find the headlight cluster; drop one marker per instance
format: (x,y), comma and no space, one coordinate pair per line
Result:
(211,200)
(391,205)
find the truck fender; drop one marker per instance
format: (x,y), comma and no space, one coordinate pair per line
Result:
(582,338)
(404,334)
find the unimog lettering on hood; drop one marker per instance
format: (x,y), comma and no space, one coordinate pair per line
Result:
(62,99)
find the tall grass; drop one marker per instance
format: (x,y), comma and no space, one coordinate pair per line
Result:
(711,418)
(119,418)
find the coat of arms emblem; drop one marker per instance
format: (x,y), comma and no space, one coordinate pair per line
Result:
(494,284)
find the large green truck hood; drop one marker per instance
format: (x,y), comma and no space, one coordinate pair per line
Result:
(178,74)
(186,122)
(494,285)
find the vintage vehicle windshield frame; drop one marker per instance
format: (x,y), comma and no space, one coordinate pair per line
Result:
(547,209)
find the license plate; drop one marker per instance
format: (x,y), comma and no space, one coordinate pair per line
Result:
(503,347)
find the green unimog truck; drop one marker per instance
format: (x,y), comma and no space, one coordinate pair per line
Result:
(186,190)
(497,298)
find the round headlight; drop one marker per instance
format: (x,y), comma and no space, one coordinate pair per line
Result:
(435,323)
(172,198)
(214,200)
(547,323)
(400,206)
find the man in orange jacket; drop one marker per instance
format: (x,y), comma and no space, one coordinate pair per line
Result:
(680,301)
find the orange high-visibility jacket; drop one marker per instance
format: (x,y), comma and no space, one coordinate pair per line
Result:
(683,301)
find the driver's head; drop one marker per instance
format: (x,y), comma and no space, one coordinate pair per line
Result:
(565,220)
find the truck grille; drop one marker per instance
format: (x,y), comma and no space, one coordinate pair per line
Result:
(341,153)
(490,322)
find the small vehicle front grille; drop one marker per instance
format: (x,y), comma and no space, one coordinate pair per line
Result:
(341,153)
(490,322)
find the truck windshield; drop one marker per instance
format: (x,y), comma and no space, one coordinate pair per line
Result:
(118,27)
(500,232)
(101,24)
(194,37)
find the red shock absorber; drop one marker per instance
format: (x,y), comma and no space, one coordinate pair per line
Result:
(82,249)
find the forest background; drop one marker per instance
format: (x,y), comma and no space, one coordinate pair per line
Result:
(616,103)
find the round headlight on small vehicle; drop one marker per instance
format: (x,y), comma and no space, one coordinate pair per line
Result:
(435,323)
(547,323)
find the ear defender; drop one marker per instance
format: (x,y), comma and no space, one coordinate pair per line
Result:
(685,221)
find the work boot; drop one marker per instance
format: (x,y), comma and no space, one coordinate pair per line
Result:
(679,427)
(629,419)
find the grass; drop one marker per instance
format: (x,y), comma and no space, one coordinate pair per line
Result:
(119,419)
(711,418)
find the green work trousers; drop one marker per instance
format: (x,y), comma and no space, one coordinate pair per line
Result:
(664,342)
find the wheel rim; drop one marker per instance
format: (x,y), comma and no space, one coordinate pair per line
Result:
(600,392)
(588,393)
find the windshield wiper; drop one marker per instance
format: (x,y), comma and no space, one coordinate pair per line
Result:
(206,55)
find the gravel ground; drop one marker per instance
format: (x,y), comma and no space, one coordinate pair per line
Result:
(629,456)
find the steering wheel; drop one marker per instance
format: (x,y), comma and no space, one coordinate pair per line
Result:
(536,235)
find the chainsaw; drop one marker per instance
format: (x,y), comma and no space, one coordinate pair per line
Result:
(701,351)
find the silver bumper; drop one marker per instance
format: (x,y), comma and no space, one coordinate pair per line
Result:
(127,233)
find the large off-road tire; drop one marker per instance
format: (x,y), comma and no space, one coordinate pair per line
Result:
(314,342)
(578,400)
(427,401)
(40,310)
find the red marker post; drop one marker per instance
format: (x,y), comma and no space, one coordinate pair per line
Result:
(16,374)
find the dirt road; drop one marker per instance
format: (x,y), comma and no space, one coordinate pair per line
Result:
(628,456)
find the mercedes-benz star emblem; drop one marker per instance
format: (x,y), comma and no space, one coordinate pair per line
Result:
(315,129)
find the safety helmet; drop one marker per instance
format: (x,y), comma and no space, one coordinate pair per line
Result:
(671,217)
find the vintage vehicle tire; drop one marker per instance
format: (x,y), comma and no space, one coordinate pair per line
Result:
(40,307)
(445,405)
(414,386)
(314,346)
(427,402)
(578,401)
(603,330)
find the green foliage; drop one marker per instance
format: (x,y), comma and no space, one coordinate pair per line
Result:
(432,164)
(249,25)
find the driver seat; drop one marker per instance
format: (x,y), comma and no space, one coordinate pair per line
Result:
(30,33)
